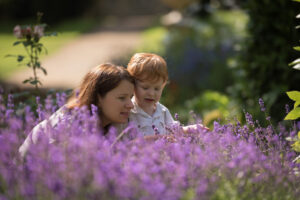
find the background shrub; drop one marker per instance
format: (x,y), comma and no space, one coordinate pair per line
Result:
(263,69)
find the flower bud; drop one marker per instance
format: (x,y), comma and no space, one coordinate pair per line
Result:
(26,32)
(18,32)
(38,31)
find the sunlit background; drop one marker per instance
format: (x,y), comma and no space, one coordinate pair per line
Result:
(222,55)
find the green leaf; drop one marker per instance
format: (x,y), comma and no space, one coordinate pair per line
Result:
(297,0)
(20,58)
(44,70)
(294,95)
(297,48)
(293,115)
(16,43)
(297,103)
(21,94)
(296,146)
(26,81)
(27,43)
(297,67)
(297,159)
(51,34)
(34,82)
(297,61)
(9,55)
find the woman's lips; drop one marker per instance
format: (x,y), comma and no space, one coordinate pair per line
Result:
(125,114)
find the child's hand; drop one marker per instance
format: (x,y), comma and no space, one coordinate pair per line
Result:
(170,138)
(194,127)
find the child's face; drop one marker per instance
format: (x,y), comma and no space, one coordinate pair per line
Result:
(148,93)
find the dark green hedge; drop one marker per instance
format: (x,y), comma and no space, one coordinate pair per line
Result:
(263,69)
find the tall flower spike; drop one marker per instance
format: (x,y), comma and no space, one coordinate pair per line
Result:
(262,105)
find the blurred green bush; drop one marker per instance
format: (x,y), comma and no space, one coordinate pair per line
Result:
(262,69)
(210,106)
(200,54)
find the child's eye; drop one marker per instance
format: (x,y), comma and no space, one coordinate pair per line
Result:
(156,89)
(145,88)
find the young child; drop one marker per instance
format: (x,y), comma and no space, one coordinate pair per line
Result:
(151,75)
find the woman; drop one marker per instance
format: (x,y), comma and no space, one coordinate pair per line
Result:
(108,87)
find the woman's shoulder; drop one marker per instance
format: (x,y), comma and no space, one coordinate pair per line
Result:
(61,112)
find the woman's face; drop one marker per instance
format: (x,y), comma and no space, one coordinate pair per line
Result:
(115,106)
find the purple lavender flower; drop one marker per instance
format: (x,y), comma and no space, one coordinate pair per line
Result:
(176,116)
(249,119)
(287,108)
(262,105)
(79,162)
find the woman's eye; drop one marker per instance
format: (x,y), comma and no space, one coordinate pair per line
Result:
(122,98)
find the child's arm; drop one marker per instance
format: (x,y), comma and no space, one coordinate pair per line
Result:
(186,129)
(194,127)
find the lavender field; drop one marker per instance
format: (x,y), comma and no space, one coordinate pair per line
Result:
(232,161)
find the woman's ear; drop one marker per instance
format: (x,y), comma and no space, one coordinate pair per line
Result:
(99,101)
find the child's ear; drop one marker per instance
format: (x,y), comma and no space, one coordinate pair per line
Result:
(165,83)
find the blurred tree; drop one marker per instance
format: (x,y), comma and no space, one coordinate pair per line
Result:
(263,69)
(54,10)
(178,4)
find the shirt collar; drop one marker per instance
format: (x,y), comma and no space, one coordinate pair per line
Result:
(138,110)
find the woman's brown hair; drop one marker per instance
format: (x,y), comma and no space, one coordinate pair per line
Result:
(99,81)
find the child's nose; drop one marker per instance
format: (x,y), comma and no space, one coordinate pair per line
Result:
(151,92)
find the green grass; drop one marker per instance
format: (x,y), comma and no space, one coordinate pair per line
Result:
(67,31)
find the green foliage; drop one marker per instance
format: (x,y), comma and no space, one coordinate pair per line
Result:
(295,112)
(189,194)
(29,36)
(295,145)
(262,68)
(294,95)
(153,40)
(67,31)
(200,54)
(201,50)
(211,106)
